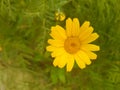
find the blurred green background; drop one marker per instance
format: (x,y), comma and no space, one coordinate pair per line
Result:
(24,30)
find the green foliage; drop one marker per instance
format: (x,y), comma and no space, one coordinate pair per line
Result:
(58,75)
(24,30)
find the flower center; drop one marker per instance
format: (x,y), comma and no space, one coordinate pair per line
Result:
(72,45)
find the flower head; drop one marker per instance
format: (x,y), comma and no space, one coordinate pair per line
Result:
(59,16)
(72,44)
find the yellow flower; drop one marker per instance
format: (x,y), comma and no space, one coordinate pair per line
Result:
(59,16)
(72,44)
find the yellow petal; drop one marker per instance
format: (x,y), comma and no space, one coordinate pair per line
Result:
(86,33)
(62,16)
(91,38)
(58,52)
(76,27)
(69,27)
(90,47)
(56,43)
(80,63)
(70,63)
(58,32)
(90,54)
(63,60)
(84,57)
(50,48)
(84,26)
(56,61)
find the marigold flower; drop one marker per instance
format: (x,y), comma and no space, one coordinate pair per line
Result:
(60,16)
(72,44)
